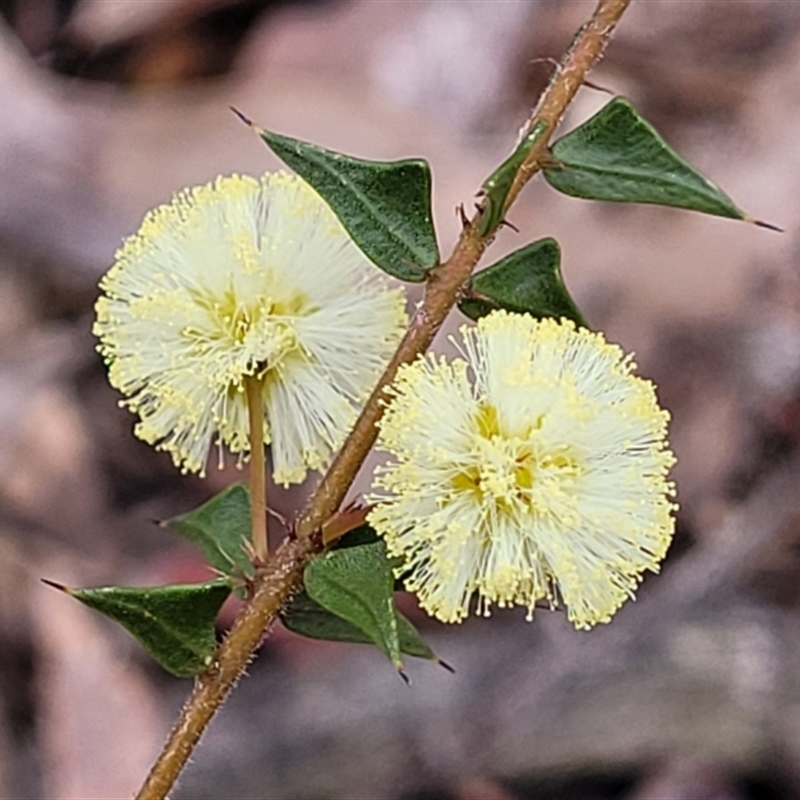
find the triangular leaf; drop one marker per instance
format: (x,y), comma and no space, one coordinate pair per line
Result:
(411,643)
(384,205)
(365,534)
(619,156)
(174,623)
(496,187)
(308,618)
(356,583)
(221,529)
(526,281)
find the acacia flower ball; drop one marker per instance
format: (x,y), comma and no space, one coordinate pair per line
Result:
(533,468)
(245,277)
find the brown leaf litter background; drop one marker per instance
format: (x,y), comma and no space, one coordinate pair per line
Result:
(694,690)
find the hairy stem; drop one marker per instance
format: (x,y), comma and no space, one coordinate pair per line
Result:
(586,50)
(284,570)
(445,282)
(254,388)
(283,573)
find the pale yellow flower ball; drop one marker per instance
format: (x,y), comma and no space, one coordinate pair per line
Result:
(246,277)
(533,468)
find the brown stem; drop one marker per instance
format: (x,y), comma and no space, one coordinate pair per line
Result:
(284,571)
(445,282)
(273,585)
(254,388)
(586,50)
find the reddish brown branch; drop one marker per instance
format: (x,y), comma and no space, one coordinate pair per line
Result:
(272,588)
(284,572)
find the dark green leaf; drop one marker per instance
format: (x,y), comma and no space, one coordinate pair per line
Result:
(365,534)
(174,623)
(411,642)
(384,205)
(619,156)
(496,187)
(308,618)
(221,529)
(356,584)
(526,281)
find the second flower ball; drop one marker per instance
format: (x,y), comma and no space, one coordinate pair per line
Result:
(246,277)
(533,468)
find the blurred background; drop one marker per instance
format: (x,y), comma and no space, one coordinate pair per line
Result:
(110,106)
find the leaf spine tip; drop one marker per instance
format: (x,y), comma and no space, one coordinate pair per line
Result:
(59,586)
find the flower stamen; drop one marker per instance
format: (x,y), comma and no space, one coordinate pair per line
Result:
(542,479)
(246,278)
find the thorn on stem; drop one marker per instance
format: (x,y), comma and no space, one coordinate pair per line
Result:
(462,215)
(553,62)
(278,516)
(446,666)
(250,551)
(597,87)
(402,673)
(506,224)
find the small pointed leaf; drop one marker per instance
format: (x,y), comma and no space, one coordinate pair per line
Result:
(221,529)
(384,205)
(617,155)
(365,534)
(174,623)
(527,281)
(496,187)
(308,618)
(356,583)
(411,642)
